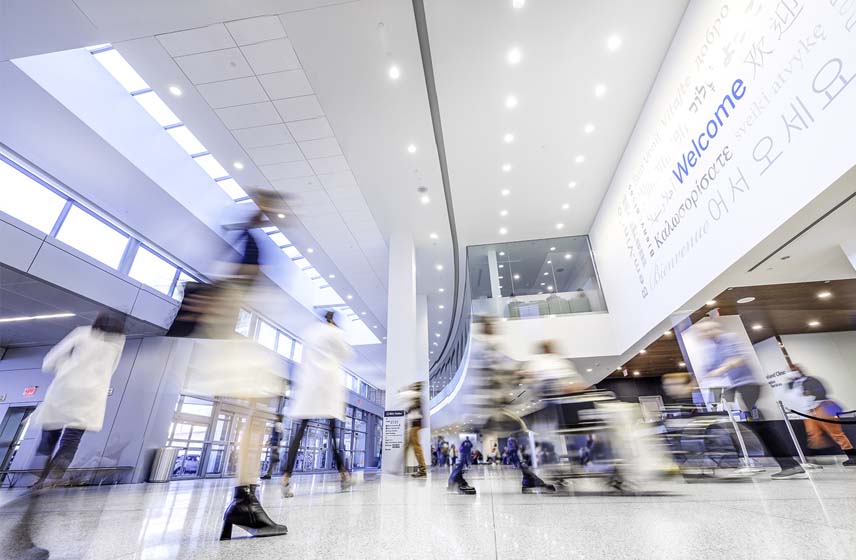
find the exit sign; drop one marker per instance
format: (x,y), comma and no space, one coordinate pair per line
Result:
(30,391)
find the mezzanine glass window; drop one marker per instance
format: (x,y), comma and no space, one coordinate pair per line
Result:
(88,234)
(152,270)
(27,200)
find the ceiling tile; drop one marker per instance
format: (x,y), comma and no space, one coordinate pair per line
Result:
(310,199)
(215,66)
(233,92)
(336,180)
(329,164)
(263,136)
(271,56)
(310,129)
(282,153)
(280,85)
(245,116)
(325,209)
(286,170)
(299,108)
(201,39)
(254,30)
(296,186)
(324,147)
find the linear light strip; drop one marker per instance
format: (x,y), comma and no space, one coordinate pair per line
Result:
(35,317)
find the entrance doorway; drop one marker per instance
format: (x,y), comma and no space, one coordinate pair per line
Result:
(12,430)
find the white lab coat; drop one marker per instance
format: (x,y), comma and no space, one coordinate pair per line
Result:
(319,391)
(84,362)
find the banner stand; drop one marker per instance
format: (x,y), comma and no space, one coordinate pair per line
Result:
(803,463)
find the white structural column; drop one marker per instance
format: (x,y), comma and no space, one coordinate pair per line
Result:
(493,271)
(849,248)
(421,347)
(404,365)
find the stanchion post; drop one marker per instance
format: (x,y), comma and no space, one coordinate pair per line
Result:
(736,427)
(805,464)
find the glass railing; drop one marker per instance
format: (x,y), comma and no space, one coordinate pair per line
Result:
(447,367)
(538,278)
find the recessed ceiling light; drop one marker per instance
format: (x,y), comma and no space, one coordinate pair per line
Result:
(580,158)
(441,290)
(506,167)
(589,370)
(552,248)
(394,72)
(505,192)
(439,322)
(238,165)
(514,55)
(748,299)
(363,313)
(549,262)
(502,253)
(636,373)
(503,231)
(503,213)
(437,334)
(35,317)
(572,185)
(565,206)
(331,276)
(511,102)
(517,277)
(757,327)
(518,4)
(441,306)
(589,128)
(374,327)
(682,364)
(546,274)
(599,90)
(667,333)
(350,296)
(310,250)
(711,303)
(500,286)
(508,138)
(280,215)
(549,288)
(434,236)
(435,344)
(568,256)
(424,199)
(543,283)
(613,43)
(814,323)
(411,149)
(560,225)
(502,266)
(439,267)
(643,351)
(824,295)
(175,90)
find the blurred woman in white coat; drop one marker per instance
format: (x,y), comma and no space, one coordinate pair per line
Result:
(84,362)
(319,392)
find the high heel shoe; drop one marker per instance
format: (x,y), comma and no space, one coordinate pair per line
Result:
(246,512)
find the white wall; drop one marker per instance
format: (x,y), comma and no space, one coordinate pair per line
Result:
(645,279)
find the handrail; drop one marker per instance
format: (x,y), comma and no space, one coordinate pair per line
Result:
(444,370)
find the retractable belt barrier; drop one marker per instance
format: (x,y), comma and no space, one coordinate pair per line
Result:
(824,420)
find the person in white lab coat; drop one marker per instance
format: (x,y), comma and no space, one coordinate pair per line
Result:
(319,392)
(84,362)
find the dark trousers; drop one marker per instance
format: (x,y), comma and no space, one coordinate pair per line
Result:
(294,445)
(58,462)
(763,430)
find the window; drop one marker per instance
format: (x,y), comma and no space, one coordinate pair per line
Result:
(88,234)
(155,107)
(121,70)
(267,335)
(283,345)
(279,239)
(232,188)
(152,270)
(243,325)
(183,279)
(302,263)
(27,200)
(186,140)
(291,252)
(297,354)
(198,407)
(211,166)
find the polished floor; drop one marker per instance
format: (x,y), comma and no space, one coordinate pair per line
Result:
(392,517)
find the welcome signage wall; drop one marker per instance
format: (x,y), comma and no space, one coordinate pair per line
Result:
(751,117)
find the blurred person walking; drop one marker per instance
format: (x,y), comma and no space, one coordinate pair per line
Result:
(453,453)
(728,361)
(466,450)
(319,392)
(273,444)
(412,395)
(83,363)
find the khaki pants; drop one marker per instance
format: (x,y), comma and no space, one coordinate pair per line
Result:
(413,443)
(819,433)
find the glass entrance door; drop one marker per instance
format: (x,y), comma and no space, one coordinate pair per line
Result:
(220,445)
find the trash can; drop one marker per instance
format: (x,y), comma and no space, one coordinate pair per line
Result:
(163,464)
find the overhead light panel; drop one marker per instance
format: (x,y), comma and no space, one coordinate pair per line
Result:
(580,158)
(434,236)
(560,225)
(599,90)
(511,102)
(411,149)
(503,213)
(35,317)
(238,165)
(506,167)
(614,41)
(425,199)
(175,90)
(514,55)
(588,129)
(439,267)
(394,72)
(505,192)
(503,231)
(824,295)
(508,138)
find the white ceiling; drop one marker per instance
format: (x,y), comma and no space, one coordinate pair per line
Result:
(564,55)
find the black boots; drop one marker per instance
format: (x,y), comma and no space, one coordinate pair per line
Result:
(851,458)
(246,512)
(462,487)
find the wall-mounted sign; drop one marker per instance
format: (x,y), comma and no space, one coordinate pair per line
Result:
(30,391)
(110,392)
(2,397)
(393,431)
